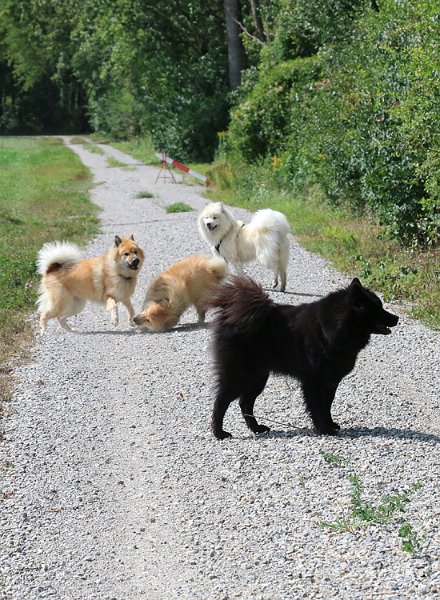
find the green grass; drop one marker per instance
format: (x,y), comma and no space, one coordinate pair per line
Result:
(140,148)
(114,162)
(335,460)
(178,207)
(145,194)
(143,150)
(411,541)
(93,148)
(355,245)
(390,509)
(77,139)
(43,197)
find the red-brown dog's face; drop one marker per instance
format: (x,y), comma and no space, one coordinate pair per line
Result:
(154,317)
(130,255)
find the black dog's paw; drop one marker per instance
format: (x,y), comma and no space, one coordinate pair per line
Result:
(222,435)
(328,430)
(260,429)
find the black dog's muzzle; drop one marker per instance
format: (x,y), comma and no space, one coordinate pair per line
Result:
(388,321)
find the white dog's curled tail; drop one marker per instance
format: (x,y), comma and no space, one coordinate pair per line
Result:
(57,254)
(269,230)
(267,218)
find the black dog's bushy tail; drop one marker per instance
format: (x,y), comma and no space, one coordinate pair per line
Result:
(241,303)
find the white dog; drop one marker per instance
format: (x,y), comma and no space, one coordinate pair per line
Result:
(264,238)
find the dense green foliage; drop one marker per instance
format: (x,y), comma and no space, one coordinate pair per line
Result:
(127,67)
(357,113)
(344,94)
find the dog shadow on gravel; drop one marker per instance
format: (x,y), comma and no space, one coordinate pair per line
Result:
(112,226)
(287,293)
(354,432)
(183,327)
(106,332)
(178,329)
(404,434)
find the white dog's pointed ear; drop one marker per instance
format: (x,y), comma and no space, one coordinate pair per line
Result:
(222,208)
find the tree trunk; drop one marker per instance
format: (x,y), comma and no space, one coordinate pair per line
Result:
(236,59)
(258,23)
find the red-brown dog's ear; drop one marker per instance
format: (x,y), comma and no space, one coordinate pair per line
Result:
(117,240)
(132,237)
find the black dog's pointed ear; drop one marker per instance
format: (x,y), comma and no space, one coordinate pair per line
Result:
(356,294)
(117,240)
(132,237)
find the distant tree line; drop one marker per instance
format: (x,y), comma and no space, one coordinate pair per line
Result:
(340,93)
(124,67)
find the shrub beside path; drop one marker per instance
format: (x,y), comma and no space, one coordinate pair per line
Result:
(113,486)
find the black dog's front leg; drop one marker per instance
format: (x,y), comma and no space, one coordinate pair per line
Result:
(318,398)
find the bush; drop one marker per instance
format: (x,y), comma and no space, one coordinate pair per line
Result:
(384,127)
(114,114)
(303,27)
(360,118)
(262,123)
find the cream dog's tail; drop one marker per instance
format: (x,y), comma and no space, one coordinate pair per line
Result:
(55,255)
(218,266)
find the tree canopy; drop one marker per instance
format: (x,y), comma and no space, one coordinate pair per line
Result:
(117,66)
(343,93)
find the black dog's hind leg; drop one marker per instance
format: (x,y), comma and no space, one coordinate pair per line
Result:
(221,403)
(319,398)
(247,401)
(231,384)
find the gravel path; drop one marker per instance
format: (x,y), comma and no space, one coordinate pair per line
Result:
(113,486)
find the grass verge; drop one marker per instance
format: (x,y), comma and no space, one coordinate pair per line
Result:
(43,197)
(143,150)
(140,148)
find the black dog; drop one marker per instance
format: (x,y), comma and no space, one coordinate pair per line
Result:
(316,343)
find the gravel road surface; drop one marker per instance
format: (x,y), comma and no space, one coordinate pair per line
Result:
(114,488)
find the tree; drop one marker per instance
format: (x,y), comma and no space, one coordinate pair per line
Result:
(236,56)
(258,23)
